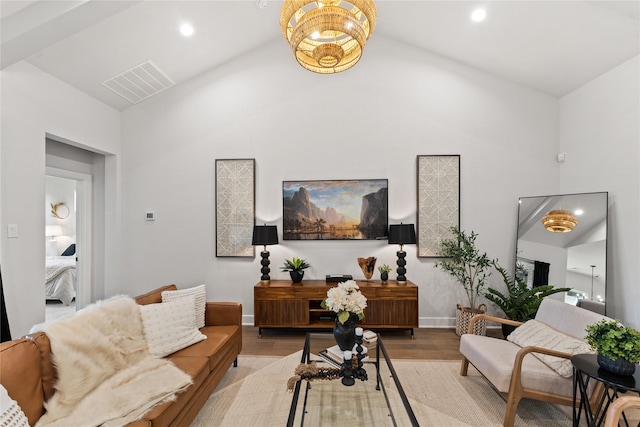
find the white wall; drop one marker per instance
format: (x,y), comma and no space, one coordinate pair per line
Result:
(34,104)
(600,132)
(368,122)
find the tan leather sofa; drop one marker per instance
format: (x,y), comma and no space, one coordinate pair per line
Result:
(29,377)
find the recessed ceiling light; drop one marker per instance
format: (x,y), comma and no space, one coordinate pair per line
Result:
(186,30)
(578,212)
(478,15)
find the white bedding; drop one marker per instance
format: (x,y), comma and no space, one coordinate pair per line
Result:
(60,279)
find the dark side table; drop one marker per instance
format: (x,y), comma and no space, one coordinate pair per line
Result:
(586,368)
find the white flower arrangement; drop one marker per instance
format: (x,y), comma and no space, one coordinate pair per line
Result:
(345,299)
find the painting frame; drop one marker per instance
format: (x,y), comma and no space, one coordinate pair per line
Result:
(235,196)
(335,209)
(438,201)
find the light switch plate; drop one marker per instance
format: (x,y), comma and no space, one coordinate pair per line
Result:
(12,231)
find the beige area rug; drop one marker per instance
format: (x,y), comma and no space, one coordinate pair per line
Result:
(254,394)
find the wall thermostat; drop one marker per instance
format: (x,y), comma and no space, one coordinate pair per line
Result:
(150,216)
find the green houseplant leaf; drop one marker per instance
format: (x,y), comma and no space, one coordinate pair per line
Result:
(295,264)
(612,339)
(520,303)
(463,260)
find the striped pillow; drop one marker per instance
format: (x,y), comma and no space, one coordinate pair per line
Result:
(199,292)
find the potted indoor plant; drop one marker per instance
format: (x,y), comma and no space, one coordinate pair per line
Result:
(348,303)
(464,261)
(520,303)
(384,270)
(295,267)
(618,346)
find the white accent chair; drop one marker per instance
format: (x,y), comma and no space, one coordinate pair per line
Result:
(514,375)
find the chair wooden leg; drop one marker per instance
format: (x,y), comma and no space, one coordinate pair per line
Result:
(464,367)
(512,408)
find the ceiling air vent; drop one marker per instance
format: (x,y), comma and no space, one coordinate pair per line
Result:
(139,83)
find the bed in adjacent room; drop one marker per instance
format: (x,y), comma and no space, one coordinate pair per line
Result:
(60,278)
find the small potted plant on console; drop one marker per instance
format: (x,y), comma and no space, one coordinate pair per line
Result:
(295,267)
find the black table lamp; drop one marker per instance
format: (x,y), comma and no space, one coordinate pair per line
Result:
(402,234)
(265,235)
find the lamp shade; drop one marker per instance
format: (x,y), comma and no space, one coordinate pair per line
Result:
(53,230)
(402,234)
(265,235)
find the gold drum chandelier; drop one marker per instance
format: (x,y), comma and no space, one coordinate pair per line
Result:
(329,36)
(559,221)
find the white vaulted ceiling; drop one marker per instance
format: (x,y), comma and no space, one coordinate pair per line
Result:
(551,46)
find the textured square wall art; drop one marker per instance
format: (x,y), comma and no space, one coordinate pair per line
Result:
(235,207)
(438,201)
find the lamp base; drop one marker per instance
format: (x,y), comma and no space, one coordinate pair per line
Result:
(265,267)
(401,270)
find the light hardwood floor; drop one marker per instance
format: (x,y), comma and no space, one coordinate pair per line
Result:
(429,343)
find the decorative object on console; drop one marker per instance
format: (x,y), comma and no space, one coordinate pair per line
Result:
(59,210)
(348,302)
(265,235)
(368,266)
(402,234)
(235,207)
(463,260)
(559,221)
(384,270)
(438,207)
(329,36)
(355,209)
(618,346)
(295,267)
(521,303)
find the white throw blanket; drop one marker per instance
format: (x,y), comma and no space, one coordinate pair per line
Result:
(106,376)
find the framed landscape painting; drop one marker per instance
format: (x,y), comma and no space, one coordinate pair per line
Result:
(335,209)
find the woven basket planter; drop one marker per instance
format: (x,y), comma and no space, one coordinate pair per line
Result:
(463,318)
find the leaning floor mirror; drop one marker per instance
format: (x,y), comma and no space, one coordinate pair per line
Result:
(562,241)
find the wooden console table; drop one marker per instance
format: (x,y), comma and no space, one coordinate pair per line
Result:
(283,304)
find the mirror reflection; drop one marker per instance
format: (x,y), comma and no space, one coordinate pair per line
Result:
(562,241)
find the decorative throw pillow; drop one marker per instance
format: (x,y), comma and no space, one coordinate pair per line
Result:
(11,414)
(169,327)
(535,333)
(200,300)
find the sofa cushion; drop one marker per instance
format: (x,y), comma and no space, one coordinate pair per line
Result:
(11,414)
(494,358)
(566,318)
(198,369)
(200,294)
(23,380)
(154,296)
(218,338)
(534,333)
(170,326)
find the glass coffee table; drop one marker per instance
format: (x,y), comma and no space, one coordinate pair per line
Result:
(379,400)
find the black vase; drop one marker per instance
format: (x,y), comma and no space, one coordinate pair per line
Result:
(296,276)
(384,276)
(617,366)
(345,333)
